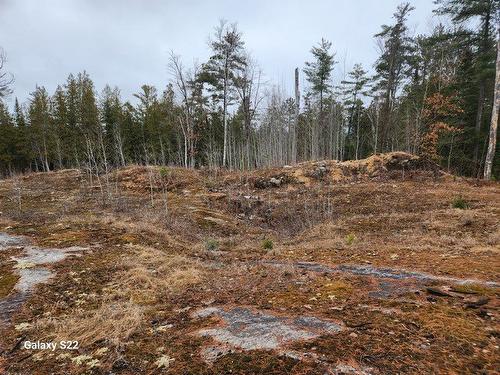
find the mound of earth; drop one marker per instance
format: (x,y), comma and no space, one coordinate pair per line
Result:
(146,178)
(393,165)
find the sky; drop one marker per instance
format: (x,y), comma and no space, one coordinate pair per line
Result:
(126,43)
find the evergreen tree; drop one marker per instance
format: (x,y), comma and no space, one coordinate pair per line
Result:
(228,57)
(355,89)
(318,73)
(391,69)
(481,33)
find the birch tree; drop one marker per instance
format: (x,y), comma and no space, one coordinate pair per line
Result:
(494,119)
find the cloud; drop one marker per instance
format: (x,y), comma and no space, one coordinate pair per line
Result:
(126,42)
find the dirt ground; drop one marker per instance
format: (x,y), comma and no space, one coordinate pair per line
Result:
(380,266)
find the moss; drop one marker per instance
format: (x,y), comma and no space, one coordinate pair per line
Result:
(472,289)
(8,280)
(337,288)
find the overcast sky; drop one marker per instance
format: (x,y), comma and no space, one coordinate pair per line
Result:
(126,42)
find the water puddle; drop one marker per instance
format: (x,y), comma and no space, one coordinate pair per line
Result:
(243,328)
(31,268)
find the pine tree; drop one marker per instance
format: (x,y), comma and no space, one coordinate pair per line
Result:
(391,68)
(481,34)
(355,89)
(318,73)
(40,128)
(228,57)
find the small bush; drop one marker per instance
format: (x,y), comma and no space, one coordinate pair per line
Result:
(350,238)
(460,203)
(211,244)
(267,244)
(164,172)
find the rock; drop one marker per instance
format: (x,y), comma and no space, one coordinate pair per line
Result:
(275,182)
(438,292)
(217,196)
(474,303)
(214,220)
(164,361)
(120,364)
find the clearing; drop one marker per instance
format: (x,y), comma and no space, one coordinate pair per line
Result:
(384,265)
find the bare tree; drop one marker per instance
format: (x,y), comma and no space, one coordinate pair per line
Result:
(248,85)
(6,79)
(186,120)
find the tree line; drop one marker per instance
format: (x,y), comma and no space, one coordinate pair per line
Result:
(432,95)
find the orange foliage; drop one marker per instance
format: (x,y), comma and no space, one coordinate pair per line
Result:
(436,109)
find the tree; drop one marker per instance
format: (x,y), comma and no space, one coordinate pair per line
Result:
(39,121)
(7,140)
(111,118)
(494,119)
(186,85)
(318,73)
(395,50)
(59,118)
(5,78)
(248,86)
(486,12)
(437,111)
(228,57)
(355,87)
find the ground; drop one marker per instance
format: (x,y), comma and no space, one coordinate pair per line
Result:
(380,266)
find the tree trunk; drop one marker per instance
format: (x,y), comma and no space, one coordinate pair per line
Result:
(224,115)
(477,129)
(494,120)
(296,119)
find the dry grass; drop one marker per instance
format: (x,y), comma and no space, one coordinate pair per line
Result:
(451,323)
(145,266)
(152,272)
(113,322)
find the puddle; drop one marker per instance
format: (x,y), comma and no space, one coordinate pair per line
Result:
(30,268)
(243,328)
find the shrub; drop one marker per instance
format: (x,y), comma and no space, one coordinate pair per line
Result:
(164,172)
(211,244)
(267,244)
(350,238)
(460,203)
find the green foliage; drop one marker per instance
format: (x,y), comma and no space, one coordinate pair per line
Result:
(164,172)
(350,238)
(319,71)
(460,203)
(267,244)
(211,244)
(189,123)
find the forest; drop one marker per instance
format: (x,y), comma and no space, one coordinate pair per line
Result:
(430,95)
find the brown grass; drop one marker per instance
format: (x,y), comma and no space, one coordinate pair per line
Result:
(113,322)
(152,272)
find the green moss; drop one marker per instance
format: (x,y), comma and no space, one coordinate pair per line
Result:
(8,280)
(267,244)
